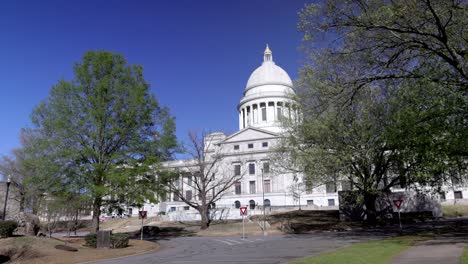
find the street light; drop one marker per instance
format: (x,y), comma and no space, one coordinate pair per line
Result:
(6,197)
(263,195)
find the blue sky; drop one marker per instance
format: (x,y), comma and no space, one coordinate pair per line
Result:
(197,55)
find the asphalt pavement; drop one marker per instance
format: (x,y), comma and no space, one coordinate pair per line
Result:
(253,250)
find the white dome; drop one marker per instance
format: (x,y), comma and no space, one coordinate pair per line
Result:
(267,97)
(268,73)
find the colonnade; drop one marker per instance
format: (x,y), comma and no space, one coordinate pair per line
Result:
(265,112)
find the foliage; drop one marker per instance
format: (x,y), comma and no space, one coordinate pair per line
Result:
(19,167)
(91,240)
(205,174)
(374,252)
(384,100)
(101,134)
(119,240)
(7,228)
(464,258)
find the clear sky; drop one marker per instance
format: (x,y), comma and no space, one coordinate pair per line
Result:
(197,55)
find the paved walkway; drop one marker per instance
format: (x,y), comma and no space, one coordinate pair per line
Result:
(431,252)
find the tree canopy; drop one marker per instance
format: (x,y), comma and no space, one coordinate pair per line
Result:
(383,94)
(103,131)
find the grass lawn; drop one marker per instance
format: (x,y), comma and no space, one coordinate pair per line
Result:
(372,252)
(454,210)
(464,258)
(42,250)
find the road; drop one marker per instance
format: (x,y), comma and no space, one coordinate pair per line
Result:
(252,250)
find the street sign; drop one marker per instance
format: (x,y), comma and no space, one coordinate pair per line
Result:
(143,214)
(243,210)
(397,203)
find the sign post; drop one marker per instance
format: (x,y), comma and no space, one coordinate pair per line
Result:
(398,203)
(243,211)
(142,215)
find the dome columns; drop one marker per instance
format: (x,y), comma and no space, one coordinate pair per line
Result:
(265,113)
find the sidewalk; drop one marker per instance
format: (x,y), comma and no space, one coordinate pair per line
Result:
(432,252)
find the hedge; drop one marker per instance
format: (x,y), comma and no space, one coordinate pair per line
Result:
(7,228)
(117,240)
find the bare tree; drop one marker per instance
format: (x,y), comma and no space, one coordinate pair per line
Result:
(206,175)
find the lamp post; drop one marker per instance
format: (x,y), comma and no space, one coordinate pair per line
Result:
(263,196)
(6,197)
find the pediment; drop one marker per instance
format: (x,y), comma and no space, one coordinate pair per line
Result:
(249,134)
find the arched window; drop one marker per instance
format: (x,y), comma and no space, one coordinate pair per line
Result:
(267,203)
(237,204)
(252,204)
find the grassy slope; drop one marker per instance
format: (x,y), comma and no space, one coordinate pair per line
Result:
(455,210)
(373,252)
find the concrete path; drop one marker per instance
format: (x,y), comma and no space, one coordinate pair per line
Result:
(431,252)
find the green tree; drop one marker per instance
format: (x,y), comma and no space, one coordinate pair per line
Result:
(104,131)
(384,94)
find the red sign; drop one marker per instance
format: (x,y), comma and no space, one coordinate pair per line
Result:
(143,214)
(243,210)
(397,203)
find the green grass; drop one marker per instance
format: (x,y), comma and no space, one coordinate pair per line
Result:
(372,252)
(464,258)
(455,210)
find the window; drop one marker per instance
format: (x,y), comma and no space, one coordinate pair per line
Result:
(266,167)
(173,209)
(189,180)
(442,196)
(237,204)
(279,112)
(236,147)
(345,185)
(331,187)
(310,202)
(250,145)
(267,186)
(331,202)
(309,186)
(237,187)
(266,203)
(264,114)
(252,168)
(186,208)
(252,204)
(237,169)
(252,187)
(458,194)
(176,198)
(188,195)
(264,144)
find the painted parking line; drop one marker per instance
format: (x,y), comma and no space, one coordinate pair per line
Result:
(225,242)
(234,241)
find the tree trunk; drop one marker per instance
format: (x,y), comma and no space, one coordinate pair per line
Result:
(371,211)
(205,218)
(76,220)
(96,212)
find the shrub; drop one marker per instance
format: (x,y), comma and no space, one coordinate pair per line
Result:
(7,228)
(116,240)
(91,240)
(119,240)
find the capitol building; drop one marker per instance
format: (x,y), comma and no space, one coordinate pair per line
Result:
(248,155)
